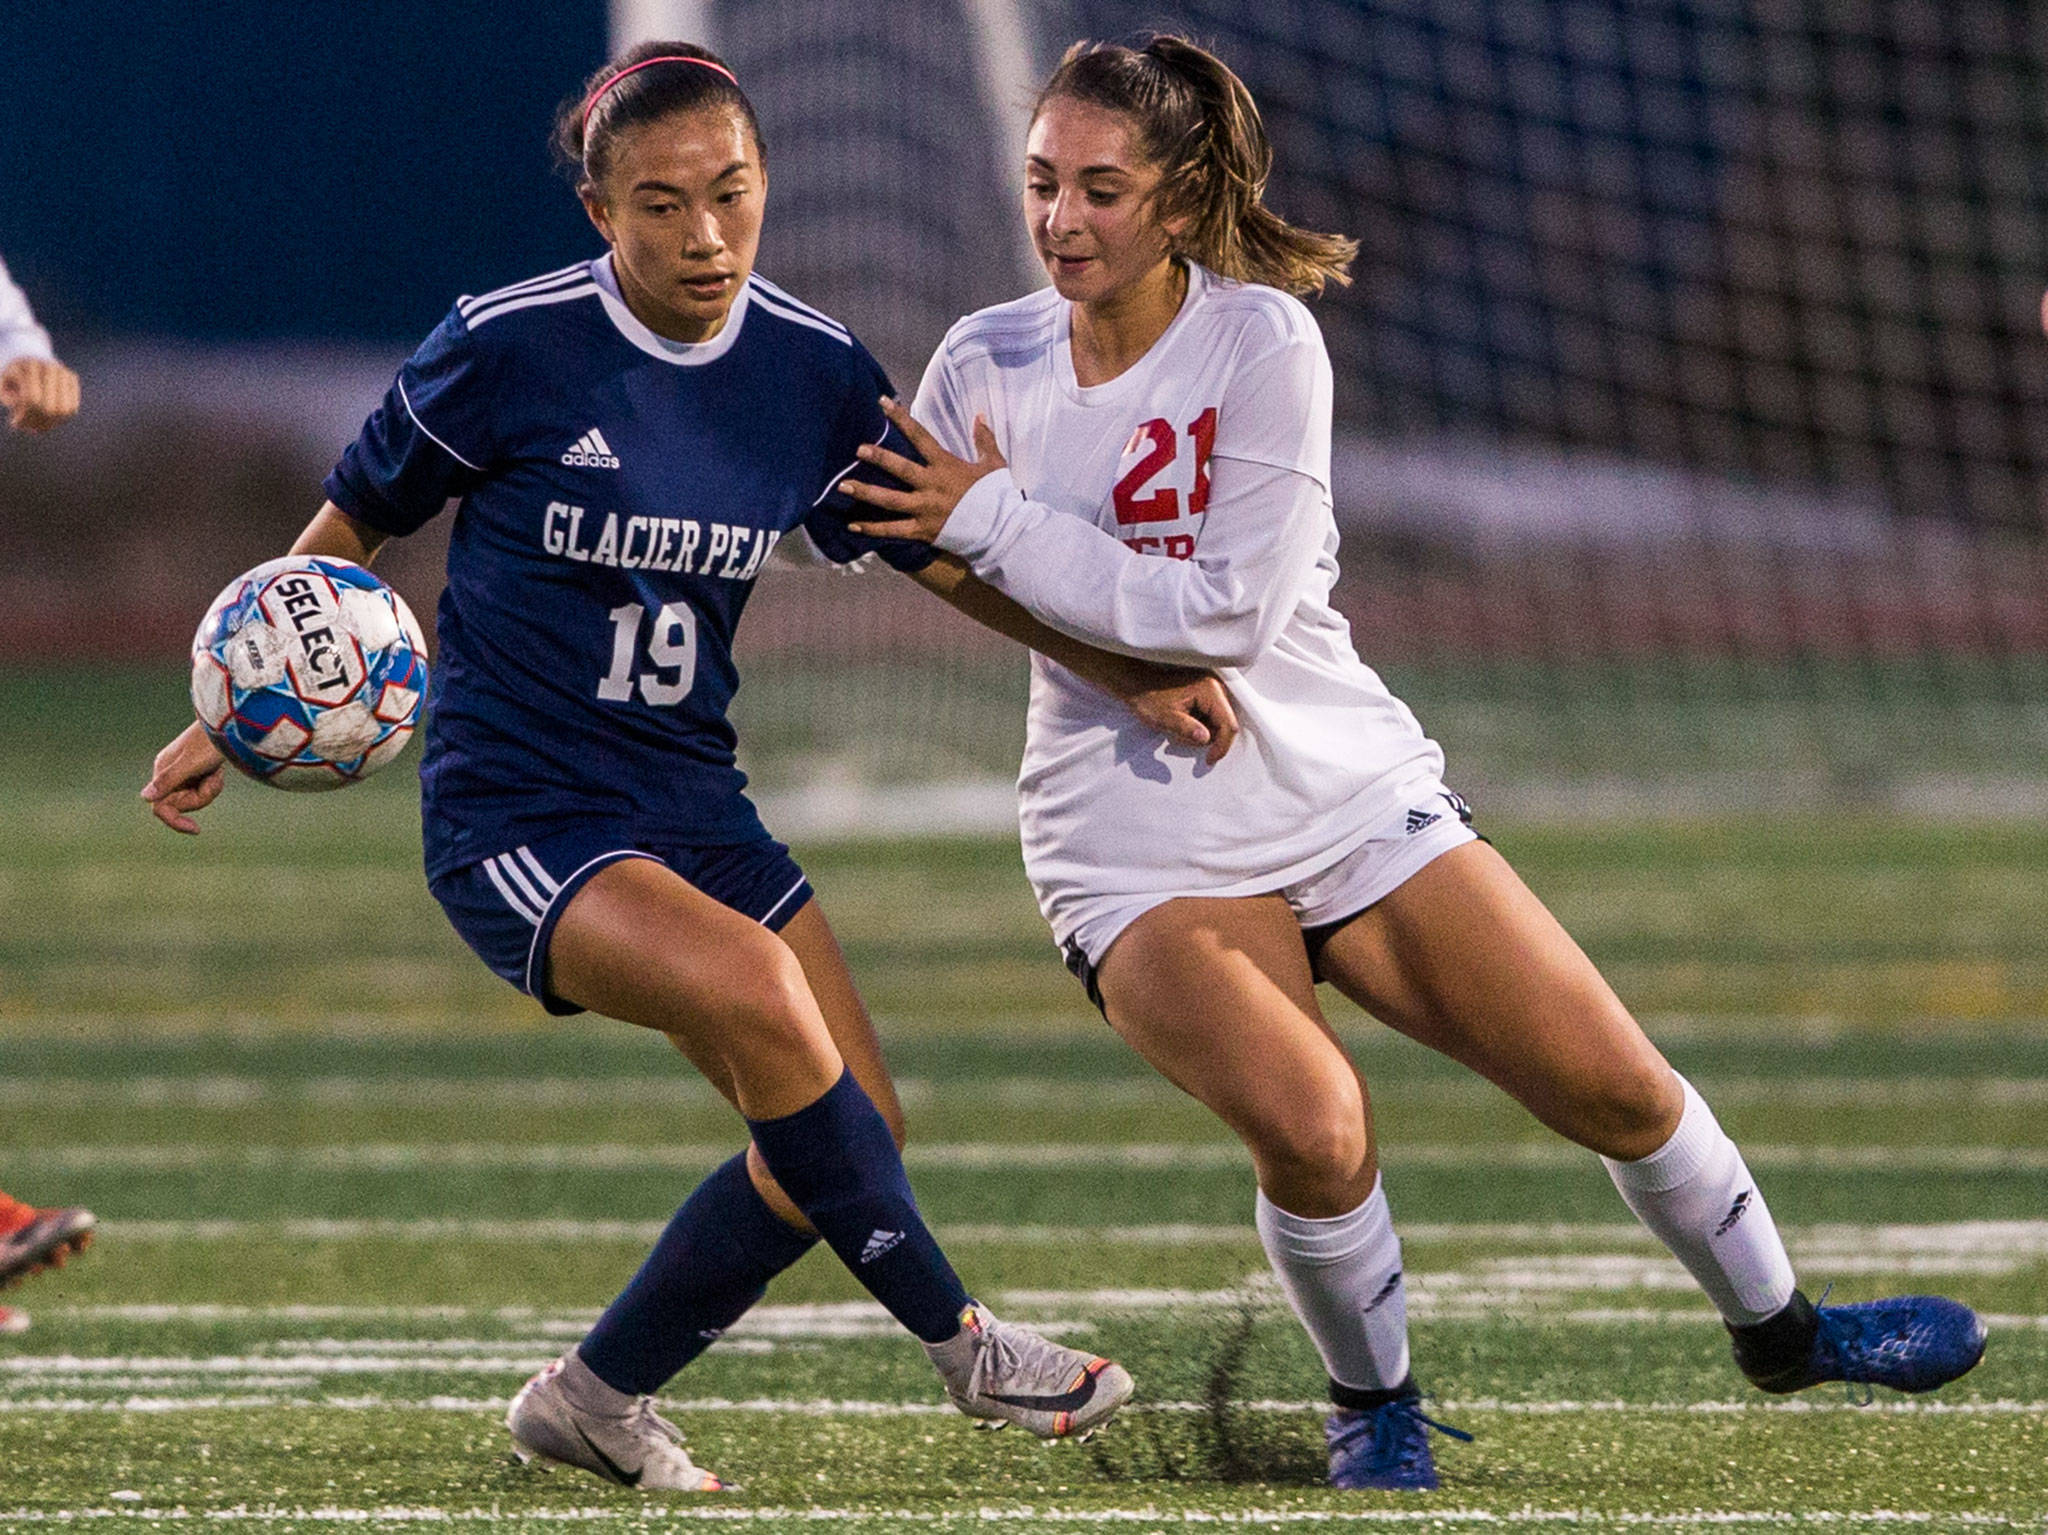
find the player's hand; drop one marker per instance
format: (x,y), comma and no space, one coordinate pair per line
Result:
(935,486)
(38,393)
(188,775)
(1192,708)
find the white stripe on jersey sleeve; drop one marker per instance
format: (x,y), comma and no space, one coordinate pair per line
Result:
(479,468)
(511,900)
(468,303)
(833,483)
(763,286)
(798,317)
(560,296)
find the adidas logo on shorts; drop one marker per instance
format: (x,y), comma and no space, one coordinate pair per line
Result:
(591,452)
(878,1243)
(1417,819)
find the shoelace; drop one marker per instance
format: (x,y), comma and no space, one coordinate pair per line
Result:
(1010,1354)
(643,1417)
(1395,1445)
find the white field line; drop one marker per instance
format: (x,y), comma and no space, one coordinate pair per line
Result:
(824,1407)
(538,1338)
(642,1514)
(971,1155)
(637,1233)
(302,1363)
(571,1324)
(1963,1246)
(227,1091)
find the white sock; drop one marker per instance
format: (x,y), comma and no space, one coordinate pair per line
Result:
(1342,1276)
(1696,1194)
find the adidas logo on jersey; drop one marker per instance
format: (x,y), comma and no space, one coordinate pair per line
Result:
(591,452)
(879,1242)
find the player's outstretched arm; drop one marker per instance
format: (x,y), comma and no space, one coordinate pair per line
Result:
(1181,702)
(189,774)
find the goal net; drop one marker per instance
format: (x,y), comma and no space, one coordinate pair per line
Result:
(1692,397)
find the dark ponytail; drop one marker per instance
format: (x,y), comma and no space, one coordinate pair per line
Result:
(624,95)
(1196,121)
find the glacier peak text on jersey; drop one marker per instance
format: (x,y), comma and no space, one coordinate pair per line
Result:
(731,551)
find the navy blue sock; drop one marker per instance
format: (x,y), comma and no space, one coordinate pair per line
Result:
(711,1264)
(838,1163)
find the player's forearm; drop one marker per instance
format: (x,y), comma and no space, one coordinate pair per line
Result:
(332,531)
(1221,608)
(949,579)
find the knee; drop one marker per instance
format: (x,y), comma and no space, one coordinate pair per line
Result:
(1628,1116)
(768,1012)
(1321,1140)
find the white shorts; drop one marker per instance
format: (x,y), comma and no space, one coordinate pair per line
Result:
(1432,823)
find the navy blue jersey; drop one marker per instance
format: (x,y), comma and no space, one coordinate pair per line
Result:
(618,493)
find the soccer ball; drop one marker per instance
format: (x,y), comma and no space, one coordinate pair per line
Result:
(307,672)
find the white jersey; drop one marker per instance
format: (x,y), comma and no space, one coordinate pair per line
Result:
(20,336)
(1179,512)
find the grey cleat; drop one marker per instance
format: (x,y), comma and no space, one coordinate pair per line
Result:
(41,1239)
(997,1373)
(634,1447)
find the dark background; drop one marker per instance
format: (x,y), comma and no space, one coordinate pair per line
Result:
(282,169)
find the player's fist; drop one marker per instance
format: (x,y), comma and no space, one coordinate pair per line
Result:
(188,775)
(38,393)
(1192,709)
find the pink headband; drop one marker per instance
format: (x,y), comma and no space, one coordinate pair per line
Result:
(667,58)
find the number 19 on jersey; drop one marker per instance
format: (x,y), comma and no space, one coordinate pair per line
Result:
(671,648)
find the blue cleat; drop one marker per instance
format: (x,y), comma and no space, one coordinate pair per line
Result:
(1385,1447)
(1909,1343)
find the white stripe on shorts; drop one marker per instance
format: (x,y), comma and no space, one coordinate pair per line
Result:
(510,867)
(545,880)
(511,897)
(792,890)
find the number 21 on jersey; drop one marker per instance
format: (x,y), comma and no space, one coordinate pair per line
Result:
(671,646)
(1138,498)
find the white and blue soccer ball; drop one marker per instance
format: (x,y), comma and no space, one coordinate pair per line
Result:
(308,671)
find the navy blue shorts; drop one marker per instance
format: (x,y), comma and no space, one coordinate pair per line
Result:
(506,907)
